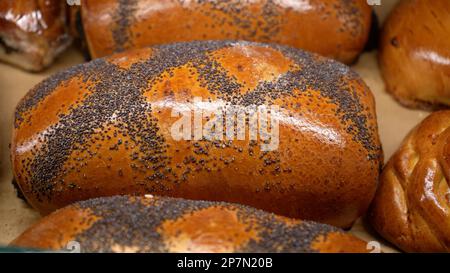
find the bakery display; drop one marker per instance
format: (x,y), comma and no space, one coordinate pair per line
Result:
(412,205)
(105,159)
(414,53)
(32,32)
(105,128)
(152,224)
(335,28)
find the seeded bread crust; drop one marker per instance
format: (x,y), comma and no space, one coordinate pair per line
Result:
(104,128)
(338,29)
(151,224)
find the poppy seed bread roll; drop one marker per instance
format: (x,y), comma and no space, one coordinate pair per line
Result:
(151,224)
(337,29)
(412,206)
(107,127)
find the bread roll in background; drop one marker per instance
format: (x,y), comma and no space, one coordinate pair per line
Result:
(32,32)
(334,28)
(414,53)
(412,205)
(105,128)
(151,224)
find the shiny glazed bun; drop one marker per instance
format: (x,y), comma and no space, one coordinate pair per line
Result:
(150,224)
(412,206)
(337,29)
(32,32)
(106,128)
(415,53)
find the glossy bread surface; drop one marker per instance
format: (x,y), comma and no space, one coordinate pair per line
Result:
(412,206)
(337,29)
(415,53)
(151,224)
(104,128)
(32,32)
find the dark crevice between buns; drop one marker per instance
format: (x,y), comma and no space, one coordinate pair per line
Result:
(373,39)
(81,42)
(374,34)
(19,192)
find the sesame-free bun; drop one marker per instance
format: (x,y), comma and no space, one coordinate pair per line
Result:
(334,28)
(32,32)
(105,128)
(414,53)
(412,205)
(152,224)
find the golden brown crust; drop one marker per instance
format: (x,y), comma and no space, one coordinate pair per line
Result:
(415,53)
(32,32)
(412,205)
(104,128)
(336,28)
(152,224)
(338,242)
